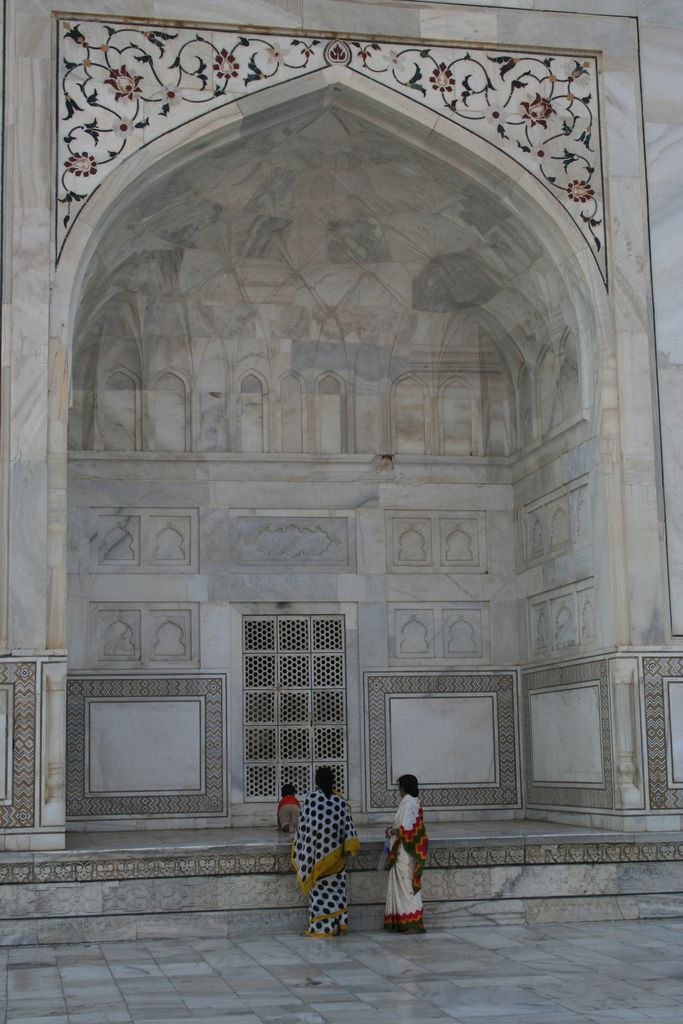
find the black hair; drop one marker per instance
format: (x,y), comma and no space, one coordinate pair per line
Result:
(409,783)
(289,789)
(324,779)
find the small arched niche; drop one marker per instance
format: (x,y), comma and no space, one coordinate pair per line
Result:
(170,401)
(252,413)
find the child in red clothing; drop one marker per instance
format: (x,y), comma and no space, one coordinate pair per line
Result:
(288,810)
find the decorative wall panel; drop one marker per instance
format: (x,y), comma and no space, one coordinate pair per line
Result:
(562,621)
(18,744)
(145,746)
(558,523)
(144,540)
(427,541)
(579,695)
(663,681)
(6,741)
(127,635)
(445,632)
(475,709)
(292,543)
(123,85)
(294,696)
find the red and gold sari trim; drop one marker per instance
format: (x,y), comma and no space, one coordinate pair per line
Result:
(404,922)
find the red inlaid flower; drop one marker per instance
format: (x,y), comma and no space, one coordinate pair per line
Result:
(537,111)
(580,191)
(81,164)
(124,84)
(225,65)
(442,79)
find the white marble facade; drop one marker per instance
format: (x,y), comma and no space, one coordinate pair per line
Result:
(319,353)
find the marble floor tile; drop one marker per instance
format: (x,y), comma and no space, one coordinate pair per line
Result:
(602,973)
(52,1018)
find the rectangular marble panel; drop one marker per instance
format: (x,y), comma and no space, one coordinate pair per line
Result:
(463,632)
(420,541)
(459,743)
(291,542)
(462,542)
(566,746)
(581,515)
(536,542)
(141,539)
(562,620)
(143,633)
(587,624)
(410,542)
(674,692)
(539,626)
(116,542)
(446,632)
(558,522)
(413,633)
(169,541)
(434,724)
(171,633)
(5,741)
(115,634)
(145,744)
(18,679)
(559,526)
(565,631)
(568,742)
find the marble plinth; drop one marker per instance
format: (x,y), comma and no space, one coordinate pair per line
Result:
(216,882)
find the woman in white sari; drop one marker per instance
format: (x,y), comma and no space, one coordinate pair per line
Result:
(403,912)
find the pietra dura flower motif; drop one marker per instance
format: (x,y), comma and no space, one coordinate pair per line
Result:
(442,79)
(537,111)
(580,191)
(226,65)
(125,85)
(81,165)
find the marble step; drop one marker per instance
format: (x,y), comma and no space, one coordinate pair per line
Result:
(164,886)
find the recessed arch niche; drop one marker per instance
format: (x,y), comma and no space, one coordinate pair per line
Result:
(341,314)
(295,252)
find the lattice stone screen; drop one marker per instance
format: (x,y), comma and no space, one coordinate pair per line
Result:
(294,701)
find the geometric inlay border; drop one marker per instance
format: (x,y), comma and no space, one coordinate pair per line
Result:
(123,85)
(88,866)
(21,676)
(211,801)
(502,685)
(601,796)
(655,672)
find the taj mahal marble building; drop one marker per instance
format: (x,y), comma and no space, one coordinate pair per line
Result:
(341,420)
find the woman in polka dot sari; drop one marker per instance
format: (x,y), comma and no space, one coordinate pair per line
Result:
(325,835)
(403,912)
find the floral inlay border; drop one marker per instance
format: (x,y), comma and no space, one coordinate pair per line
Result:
(121,86)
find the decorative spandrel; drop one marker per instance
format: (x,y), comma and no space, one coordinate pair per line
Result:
(121,86)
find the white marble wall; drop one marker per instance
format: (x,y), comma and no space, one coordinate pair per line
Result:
(613,443)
